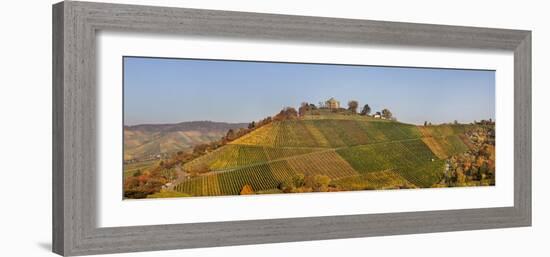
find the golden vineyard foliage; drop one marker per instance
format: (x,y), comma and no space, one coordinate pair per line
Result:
(318,151)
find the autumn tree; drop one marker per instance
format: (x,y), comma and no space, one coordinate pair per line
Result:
(140,186)
(230,135)
(247,190)
(387,114)
(137,173)
(264,122)
(460,177)
(198,149)
(288,113)
(366,110)
(352,106)
(321,183)
(252,125)
(304,107)
(298,180)
(286,187)
(241,132)
(291,112)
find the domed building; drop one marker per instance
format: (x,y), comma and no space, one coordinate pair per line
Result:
(332,103)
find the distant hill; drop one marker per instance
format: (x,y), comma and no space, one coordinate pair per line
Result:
(149,140)
(355,152)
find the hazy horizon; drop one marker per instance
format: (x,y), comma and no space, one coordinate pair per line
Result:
(168,91)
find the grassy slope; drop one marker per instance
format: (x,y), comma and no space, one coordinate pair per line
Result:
(346,148)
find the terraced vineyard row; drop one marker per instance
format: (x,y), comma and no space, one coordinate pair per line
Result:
(388,130)
(324,163)
(342,132)
(374,180)
(358,132)
(270,175)
(318,136)
(328,133)
(259,177)
(282,171)
(227,157)
(200,186)
(443,130)
(413,160)
(279,153)
(234,156)
(263,136)
(445,146)
(294,133)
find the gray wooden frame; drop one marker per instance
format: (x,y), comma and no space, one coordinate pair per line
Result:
(74,126)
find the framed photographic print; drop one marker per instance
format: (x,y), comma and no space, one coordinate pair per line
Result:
(183,128)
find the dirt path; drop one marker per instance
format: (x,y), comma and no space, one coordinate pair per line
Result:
(182,176)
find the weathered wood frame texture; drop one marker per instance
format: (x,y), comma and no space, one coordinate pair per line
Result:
(74,126)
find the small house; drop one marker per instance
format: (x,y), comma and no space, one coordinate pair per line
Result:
(332,103)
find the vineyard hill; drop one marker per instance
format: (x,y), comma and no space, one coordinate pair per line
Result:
(355,152)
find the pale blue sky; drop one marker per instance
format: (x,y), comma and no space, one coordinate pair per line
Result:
(158,90)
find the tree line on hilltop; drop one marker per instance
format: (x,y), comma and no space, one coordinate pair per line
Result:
(352,109)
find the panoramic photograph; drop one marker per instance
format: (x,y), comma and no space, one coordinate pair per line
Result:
(196,127)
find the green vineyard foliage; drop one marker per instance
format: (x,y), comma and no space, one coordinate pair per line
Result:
(353,151)
(327,163)
(412,159)
(374,180)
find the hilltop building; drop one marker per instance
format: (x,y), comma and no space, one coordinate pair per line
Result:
(332,103)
